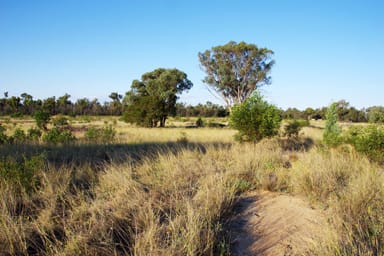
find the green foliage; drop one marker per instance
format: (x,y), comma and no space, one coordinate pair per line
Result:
(100,135)
(58,136)
(368,140)
(60,121)
(34,134)
(199,122)
(22,173)
(235,70)
(3,136)
(293,127)
(332,131)
(42,118)
(151,100)
(376,114)
(19,136)
(255,119)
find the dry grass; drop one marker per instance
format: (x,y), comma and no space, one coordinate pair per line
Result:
(351,189)
(170,203)
(175,200)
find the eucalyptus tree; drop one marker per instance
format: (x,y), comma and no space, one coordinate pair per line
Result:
(235,70)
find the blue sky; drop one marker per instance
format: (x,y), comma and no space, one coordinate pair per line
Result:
(324,50)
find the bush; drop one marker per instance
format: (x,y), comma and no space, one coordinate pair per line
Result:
(34,134)
(57,136)
(376,115)
(60,121)
(42,119)
(368,140)
(332,131)
(293,127)
(3,136)
(100,135)
(255,119)
(22,173)
(19,136)
(199,122)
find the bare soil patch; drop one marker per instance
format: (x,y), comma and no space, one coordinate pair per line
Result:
(268,223)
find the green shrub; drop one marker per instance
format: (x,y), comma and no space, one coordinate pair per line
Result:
(42,119)
(22,173)
(58,136)
(3,136)
(100,135)
(34,134)
(199,122)
(60,121)
(368,140)
(293,127)
(332,131)
(376,114)
(255,119)
(19,136)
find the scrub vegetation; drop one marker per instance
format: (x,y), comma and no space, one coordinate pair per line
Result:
(120,189)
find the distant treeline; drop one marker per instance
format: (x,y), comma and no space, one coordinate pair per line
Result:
(25,104)
(346,113)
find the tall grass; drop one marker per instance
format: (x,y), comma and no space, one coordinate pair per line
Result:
(170,191)
(170,203)
(351,188)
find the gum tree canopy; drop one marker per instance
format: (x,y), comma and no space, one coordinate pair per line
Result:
(235,70)
(151,100)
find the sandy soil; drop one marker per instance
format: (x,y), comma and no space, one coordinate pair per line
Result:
(273,224)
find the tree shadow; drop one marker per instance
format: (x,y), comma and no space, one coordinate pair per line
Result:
(97,155)
(296,144)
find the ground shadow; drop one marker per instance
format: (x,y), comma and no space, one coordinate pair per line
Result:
(96,155)
(296,144)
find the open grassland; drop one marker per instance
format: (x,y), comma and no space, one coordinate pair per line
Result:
(170,191)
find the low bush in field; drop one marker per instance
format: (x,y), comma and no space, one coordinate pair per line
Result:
(368,140)
(19,136)
(60,121)
(22,173)
(100,135)
(34,134)
(3,136)
(58,136)
(199,122)
(293,127)
(255,119)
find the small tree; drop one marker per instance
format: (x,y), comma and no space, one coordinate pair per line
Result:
(151,100)
(42,118)
(332,131)
(255,119)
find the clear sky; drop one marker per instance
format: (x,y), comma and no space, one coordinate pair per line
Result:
(325,50)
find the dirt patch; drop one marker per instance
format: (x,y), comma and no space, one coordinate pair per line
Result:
(275,224)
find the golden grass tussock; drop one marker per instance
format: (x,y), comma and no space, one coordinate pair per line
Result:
(351,189)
